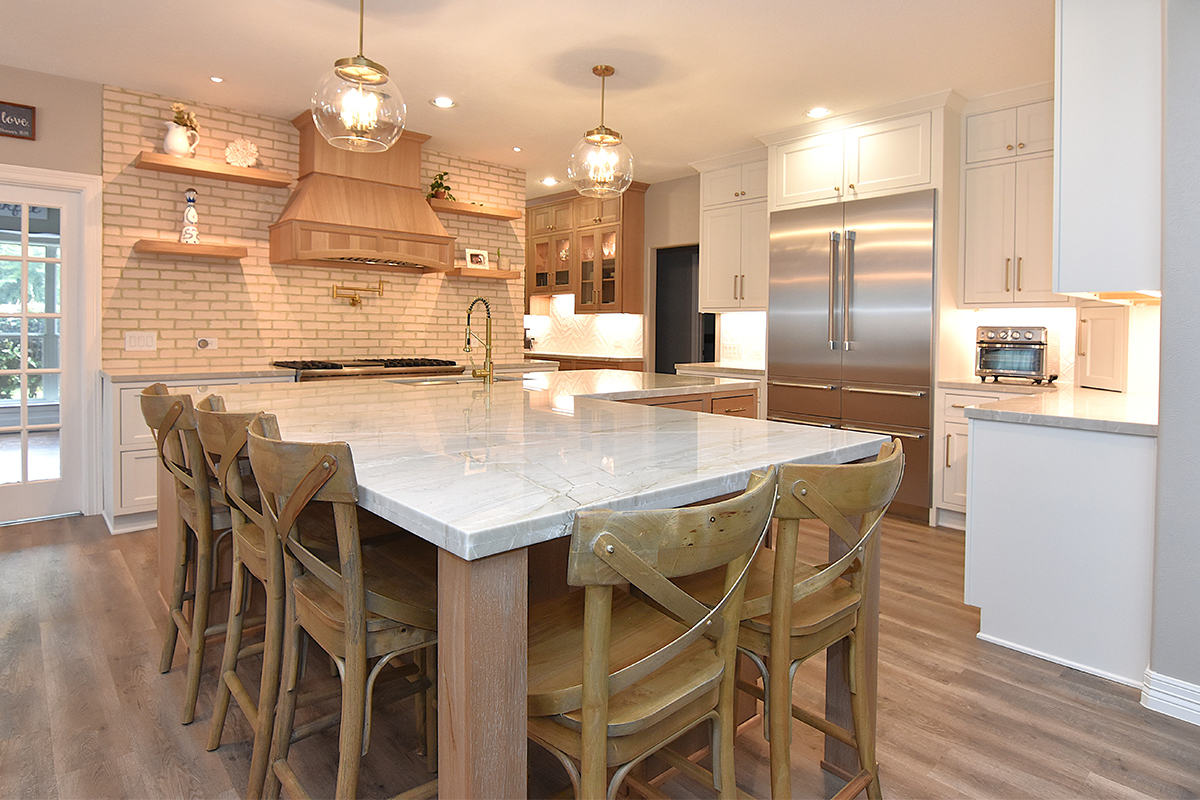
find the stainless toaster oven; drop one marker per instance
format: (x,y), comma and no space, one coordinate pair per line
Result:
(1015,353)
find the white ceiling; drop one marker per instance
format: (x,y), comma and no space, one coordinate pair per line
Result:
(694,78)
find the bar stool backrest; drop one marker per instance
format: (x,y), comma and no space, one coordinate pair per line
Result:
(173,421)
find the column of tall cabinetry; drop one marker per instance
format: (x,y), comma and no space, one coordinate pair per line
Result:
(734,232)
(588,247)
(1008,209)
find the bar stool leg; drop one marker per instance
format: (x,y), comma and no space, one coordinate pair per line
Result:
(178,587)
(268,695)
(200,606)
(239,599)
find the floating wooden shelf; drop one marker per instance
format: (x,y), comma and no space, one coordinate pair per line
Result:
(493,274)
(167,247)
(475,209)
(161,162)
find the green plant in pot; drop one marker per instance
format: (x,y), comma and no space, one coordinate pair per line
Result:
(438,187)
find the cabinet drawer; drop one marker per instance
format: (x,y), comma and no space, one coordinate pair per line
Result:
(892,405)
(139,478)
(742,405)
(133,424)
(954,404)
(690,404)
(804,397)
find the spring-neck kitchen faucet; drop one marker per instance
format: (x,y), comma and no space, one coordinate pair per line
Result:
(486,372)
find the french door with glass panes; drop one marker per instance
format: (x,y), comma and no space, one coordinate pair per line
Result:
(40,441)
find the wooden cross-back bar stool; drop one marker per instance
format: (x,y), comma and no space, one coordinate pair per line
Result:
(202,513)
(614,676)
(794,611)
(372,604)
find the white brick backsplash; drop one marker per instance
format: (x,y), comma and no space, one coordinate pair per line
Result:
(263,311)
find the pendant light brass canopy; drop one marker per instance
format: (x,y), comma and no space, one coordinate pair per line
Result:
(601,165)
(357,107)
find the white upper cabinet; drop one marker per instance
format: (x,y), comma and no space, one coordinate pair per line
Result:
(734,257)
(1108,222)
(734,184)
(1009,132)
(857,161)
(1008,229)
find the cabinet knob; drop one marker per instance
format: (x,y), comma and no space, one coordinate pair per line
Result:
(837,189)
(742,193)
(596,219)
(1009,147)
(852,187)
(1020,145)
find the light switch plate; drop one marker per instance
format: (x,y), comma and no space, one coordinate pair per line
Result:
(141,340)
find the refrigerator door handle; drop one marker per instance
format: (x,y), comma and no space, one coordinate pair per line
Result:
(847,281)
(835,239)
(800,422)
(901,434)
(896,392)
(825,386)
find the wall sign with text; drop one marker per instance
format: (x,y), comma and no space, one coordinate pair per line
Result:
(18,121)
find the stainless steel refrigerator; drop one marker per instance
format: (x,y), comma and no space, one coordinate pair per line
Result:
(850,324)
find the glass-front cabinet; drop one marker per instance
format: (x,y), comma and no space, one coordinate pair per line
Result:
(551,269)
(599,270)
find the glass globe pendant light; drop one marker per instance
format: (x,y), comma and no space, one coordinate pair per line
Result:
(601,165)
(356,107)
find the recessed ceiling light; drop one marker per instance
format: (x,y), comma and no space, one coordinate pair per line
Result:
(215,79)
(550,181)
(516,149)
(443,102)
(818,112)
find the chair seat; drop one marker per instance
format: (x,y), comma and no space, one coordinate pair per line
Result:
(401,571)
(811,615)
(556,665)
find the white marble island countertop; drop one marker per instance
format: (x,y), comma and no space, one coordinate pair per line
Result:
(479,472)
(1073,407)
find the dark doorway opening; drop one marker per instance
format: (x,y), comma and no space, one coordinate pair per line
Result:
(682,335)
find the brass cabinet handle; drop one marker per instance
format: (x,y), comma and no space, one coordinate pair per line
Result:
(1007,271)
(948,435)
(742,295)
(1082,337)
(958,405)
(735,277)
(1019,260)
(734,410)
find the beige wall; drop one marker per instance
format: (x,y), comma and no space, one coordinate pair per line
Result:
(68,122)
(259,311)
(673,214)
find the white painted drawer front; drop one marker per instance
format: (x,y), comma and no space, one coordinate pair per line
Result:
(956,403)
(138,478)
(133,424)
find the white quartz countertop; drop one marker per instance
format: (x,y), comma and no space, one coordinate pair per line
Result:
(587,356)
(1072,407)
(616,384)
(724,367)
(242,373)
(479,471)
(974,384)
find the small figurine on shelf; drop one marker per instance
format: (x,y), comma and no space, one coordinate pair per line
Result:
(438,187)
(190,234)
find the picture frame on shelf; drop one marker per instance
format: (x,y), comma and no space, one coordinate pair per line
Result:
(477,259)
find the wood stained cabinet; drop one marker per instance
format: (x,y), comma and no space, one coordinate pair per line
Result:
(604,241)
(730,403)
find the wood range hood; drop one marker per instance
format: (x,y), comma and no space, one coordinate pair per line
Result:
(364,210)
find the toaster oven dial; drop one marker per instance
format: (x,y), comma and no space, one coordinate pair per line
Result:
(991,334)
(1003,334)
(1028,334)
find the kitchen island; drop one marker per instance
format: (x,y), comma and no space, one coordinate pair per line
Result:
(484,473)
(1060,527)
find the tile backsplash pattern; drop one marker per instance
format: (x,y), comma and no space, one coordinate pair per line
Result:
(556,328)
(259,311)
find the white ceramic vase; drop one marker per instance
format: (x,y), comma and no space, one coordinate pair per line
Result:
(181,140)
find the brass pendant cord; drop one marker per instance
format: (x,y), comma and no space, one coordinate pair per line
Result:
(602,78)
(360,29)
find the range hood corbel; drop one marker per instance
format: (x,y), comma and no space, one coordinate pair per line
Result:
(360,210)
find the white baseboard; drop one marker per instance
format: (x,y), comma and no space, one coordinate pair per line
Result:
(1171,696)
(1124,681)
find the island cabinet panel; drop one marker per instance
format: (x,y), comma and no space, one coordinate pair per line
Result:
(739,403)
(736,405)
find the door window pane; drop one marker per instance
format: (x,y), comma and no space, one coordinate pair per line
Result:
(45,240)
(10,286)
(10,457)
(10,357)
(43,456)
(44,343)
(10,229)
(45,295)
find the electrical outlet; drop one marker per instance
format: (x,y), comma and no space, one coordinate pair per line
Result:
(141,340)
(207,343)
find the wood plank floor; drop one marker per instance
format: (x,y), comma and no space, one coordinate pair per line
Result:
(85,714)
